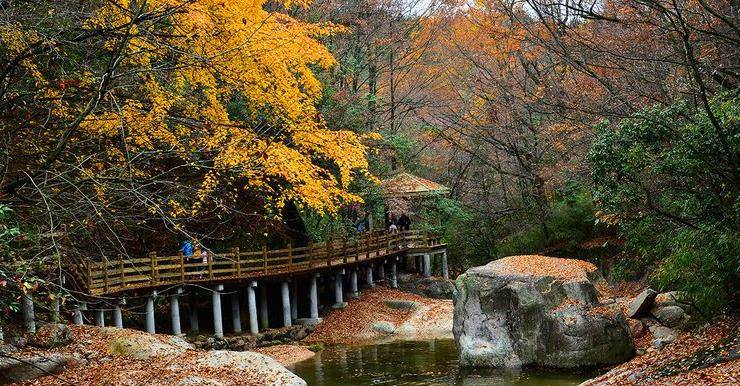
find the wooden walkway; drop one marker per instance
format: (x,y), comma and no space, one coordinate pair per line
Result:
(113,277)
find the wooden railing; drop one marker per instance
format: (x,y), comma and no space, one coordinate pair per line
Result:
(125,274)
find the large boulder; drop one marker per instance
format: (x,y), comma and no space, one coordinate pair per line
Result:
(672,312)
(51,335)
(14,370)
(536,310)
(431,287)
(144,346)
(641,304)
(260,367)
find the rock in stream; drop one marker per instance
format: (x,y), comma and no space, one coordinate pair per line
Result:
(536,310)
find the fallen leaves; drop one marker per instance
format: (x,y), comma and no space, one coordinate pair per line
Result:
(537,265)
(706,356)
(352,324)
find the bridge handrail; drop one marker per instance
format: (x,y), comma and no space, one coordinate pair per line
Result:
(115,275)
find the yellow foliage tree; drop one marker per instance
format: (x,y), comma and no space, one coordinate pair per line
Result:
(228,87)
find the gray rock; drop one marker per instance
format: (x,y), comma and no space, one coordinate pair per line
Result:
(662,336)
(258,367)
(397,304)
(672,298)
(432,287)
(145,346)
(12,370)
(670,316)
(511,320)
(199,381)
(383,327)
(51,335)
(641,303)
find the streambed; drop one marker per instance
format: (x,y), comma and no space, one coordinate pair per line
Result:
(414,363)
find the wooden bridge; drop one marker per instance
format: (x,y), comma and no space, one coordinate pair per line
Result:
(242,270)
(112,282)
(112,277)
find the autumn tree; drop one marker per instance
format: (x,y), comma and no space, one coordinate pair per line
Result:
(129,125)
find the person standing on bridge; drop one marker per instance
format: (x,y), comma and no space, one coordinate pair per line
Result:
(404,222)
(187,248)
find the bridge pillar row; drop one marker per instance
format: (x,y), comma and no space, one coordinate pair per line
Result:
(29,322)
(369,276)
(264,317)
(218,323)
(100,317)
(313,299)
(252,307)
(285,296)
(77,316)
(394,275)
(117,314)
(427,265)
(338,291)
(150,328)
(175,312)
(354,292)
(445,269)
(236,317)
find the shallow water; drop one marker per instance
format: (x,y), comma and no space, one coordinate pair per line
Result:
(413,363)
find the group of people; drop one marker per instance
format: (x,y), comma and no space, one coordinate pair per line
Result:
(195,254)
(403,223)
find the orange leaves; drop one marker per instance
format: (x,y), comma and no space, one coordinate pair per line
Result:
(182,100)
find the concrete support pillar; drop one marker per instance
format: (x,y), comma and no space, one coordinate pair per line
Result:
(394,274)
(369,276)
(77,316)
(29,319)
(118,315)
(264,318)
(175,313)
(381,271)
(445,268)
(100,317)
(338,291)
(218,322)
(354,292)
(252,307)
(427,266)
(294,300)
(313,298)
(150,313)
(285,296)
(236,317)
(193,314)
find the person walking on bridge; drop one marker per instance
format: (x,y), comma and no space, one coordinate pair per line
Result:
(404,222)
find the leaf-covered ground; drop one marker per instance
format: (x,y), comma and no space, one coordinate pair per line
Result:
(353,323)
(706,356)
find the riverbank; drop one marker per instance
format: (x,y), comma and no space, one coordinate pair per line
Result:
(385,314)
(705,356)
(128,357)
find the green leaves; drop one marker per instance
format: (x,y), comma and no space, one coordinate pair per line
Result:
(670,176)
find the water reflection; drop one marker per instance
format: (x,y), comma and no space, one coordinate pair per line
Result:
(413,363)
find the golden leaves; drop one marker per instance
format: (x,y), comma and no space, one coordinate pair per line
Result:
(212,52)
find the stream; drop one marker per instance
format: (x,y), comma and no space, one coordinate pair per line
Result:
(431,362)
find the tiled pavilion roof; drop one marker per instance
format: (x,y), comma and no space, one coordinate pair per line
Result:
(406,185)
